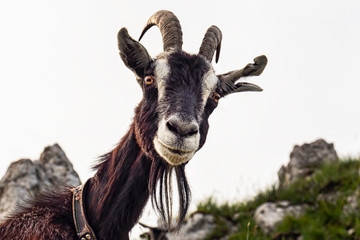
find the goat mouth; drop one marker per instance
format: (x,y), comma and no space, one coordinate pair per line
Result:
(179,152)
(174,150)
(173,156)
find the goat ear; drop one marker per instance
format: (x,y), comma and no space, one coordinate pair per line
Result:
(133,54)
(228,80)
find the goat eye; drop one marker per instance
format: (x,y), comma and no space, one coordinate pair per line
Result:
(149,80)
(216,97)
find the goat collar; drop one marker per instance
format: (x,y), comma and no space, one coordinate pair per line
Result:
(83,229)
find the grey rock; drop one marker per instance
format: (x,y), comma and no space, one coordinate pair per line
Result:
(268,215)
(351,231)
(330,197)
(352,202)
(24,178)
(305,159)
(196,228)
(57,167)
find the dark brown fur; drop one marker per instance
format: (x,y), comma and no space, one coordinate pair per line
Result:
(47,218)
(115,196)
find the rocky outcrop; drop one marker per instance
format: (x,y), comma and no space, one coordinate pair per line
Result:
(305,159)
(268,215)
(24,178)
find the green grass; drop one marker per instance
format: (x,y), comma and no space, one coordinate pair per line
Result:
(324,219)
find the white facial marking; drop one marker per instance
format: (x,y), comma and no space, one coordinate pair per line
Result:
(161,71)
(209,81)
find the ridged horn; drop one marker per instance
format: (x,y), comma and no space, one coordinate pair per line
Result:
(229,83)
(170,29)
(211,43)
(252,69)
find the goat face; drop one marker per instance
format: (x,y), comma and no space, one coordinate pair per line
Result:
(180,90)
(184,83)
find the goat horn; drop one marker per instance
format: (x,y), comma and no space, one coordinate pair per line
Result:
(252,69)
(228,81)
(170,29)
(210,43)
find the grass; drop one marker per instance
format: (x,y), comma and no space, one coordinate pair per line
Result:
(326,192)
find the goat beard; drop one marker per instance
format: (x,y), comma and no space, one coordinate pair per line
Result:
(161,190)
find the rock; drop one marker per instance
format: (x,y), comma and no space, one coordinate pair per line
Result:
(57,167)
(305,159)
(196,228)
(24,178)
(268,215)
(330,197)
(351,231)
(352,202)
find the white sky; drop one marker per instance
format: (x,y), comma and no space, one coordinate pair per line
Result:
(61,80)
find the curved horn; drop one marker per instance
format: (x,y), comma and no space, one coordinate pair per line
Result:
(252,69)
(210,43)
(228,81)
(170,29)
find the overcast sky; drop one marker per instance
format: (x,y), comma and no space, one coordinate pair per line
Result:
(62,81)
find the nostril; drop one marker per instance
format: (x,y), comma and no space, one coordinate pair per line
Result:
(172,127)
(193,132)
(192,129)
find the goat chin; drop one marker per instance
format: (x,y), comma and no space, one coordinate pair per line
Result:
(172,156)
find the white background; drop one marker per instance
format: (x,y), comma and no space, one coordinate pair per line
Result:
(61,80)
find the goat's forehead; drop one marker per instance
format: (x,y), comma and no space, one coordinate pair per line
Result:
(191,75)
(191,69)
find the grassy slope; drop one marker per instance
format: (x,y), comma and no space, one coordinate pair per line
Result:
(323,220)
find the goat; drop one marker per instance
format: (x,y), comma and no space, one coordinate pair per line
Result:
(170,125)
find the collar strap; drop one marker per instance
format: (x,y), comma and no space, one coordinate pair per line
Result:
(83,229)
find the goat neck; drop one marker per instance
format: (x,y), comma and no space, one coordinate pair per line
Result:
(118,192)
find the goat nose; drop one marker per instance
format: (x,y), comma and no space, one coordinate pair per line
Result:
(182,128)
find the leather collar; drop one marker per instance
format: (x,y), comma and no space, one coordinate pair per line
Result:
(83,229)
